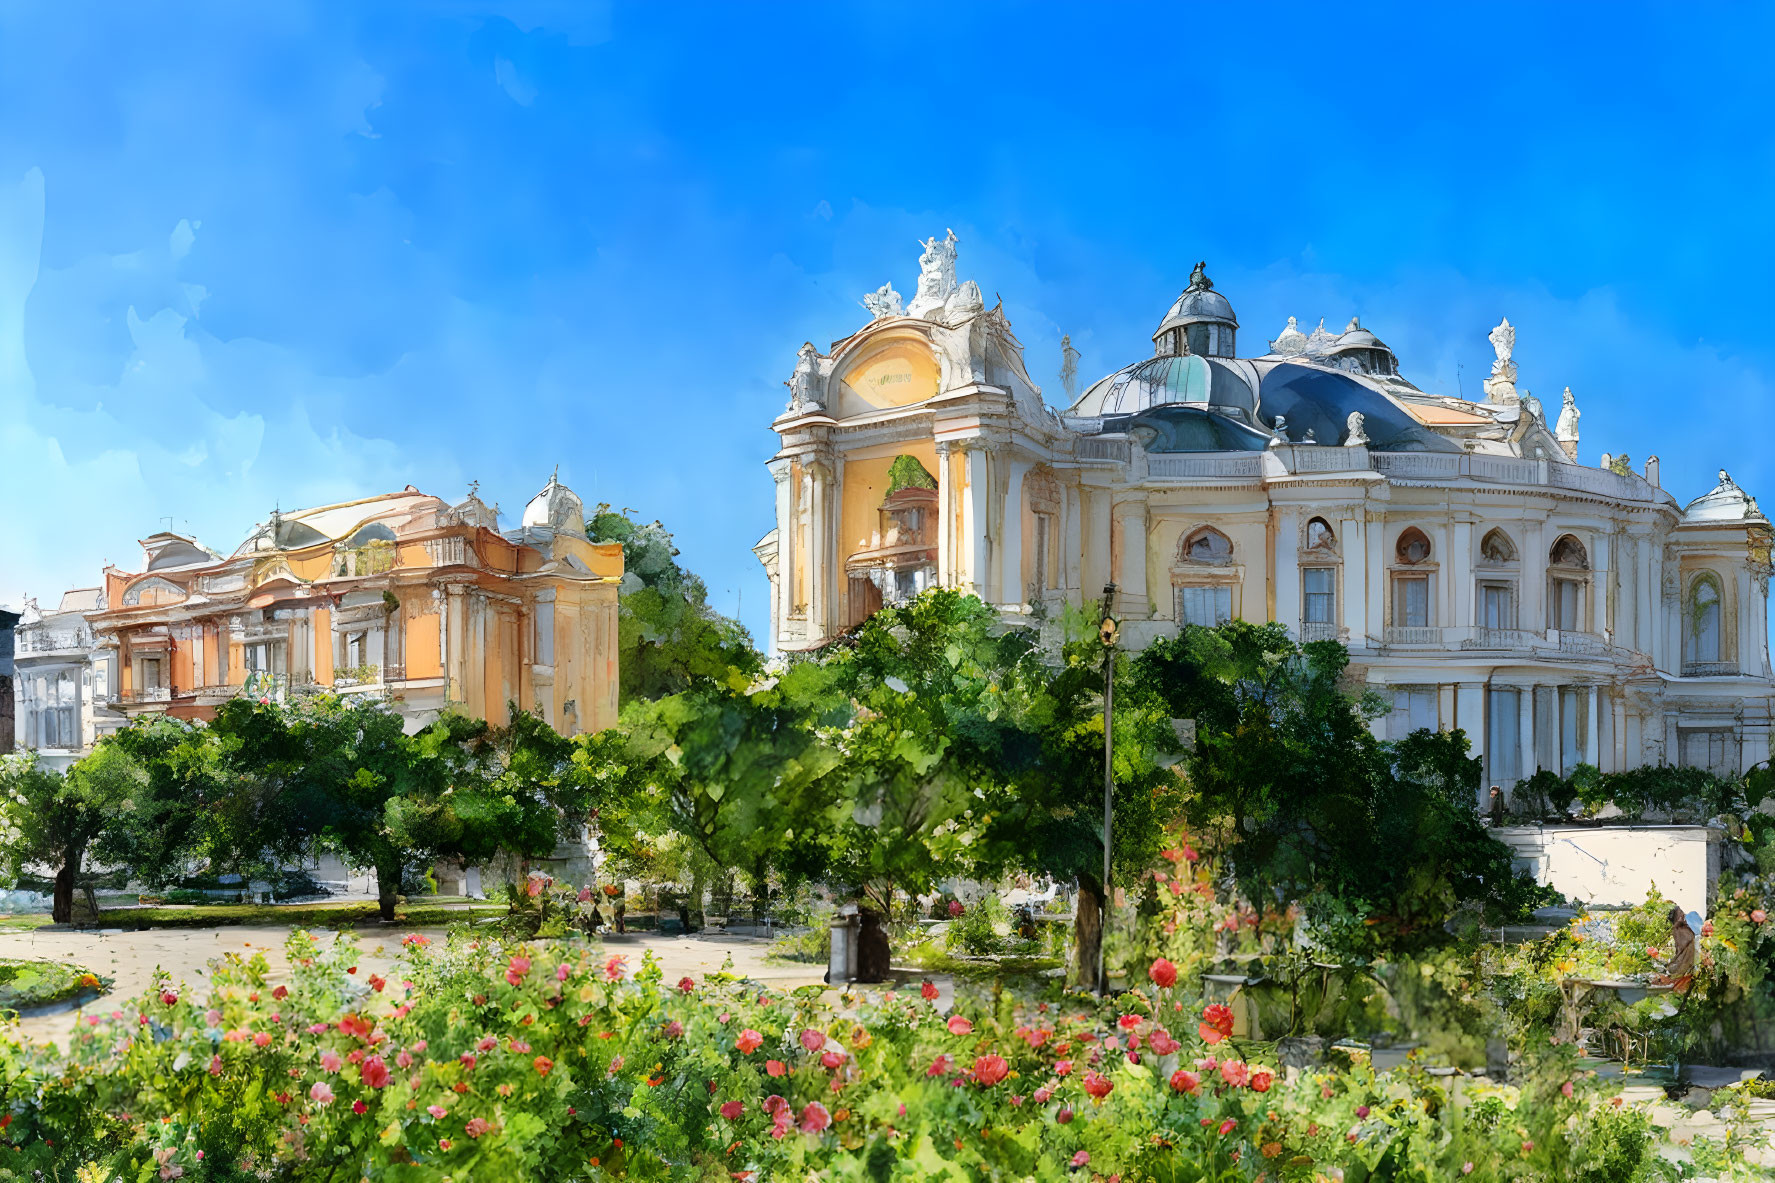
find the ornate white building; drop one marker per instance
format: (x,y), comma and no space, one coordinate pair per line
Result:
(66,680)
(1481,577)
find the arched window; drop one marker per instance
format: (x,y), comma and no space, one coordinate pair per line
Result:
(1568,565)
(1569,552)
(1495,604)
(1320,536)
(1207,545)
(1413,546)
(1496,547)
(1704,619)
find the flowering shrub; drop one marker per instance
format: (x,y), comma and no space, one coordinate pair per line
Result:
(553,1062)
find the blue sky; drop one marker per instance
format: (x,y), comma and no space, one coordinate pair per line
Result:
(281,254)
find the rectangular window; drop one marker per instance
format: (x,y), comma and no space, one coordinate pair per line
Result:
(1414,709)
(1497,606)
(1320,587)
(356,645)
(1206,606)
(1716,751)
(1043,528)
(1567,615)
(1411,601)
(1503,736)
(148,669)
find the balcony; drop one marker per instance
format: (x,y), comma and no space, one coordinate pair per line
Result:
(1415,637)
(1710,669)
(1318,630)
(1512,639)
(146,696)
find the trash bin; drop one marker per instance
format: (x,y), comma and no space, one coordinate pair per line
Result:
(841,966)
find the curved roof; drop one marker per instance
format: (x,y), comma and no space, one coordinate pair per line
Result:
(1161,380)
(330,523)
(1321,401)
(1357,337)
(556,508)
(1196,429)
(1196,306)
(1725,502)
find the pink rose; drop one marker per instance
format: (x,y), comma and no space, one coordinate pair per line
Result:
(320,1094)
(831,1060)
(1081,1158)
(477,1126)
(1757,915)
(813,1040)
(330,1061)
(1185,1081)
(733,1110)
(1042,1095)
(959,1025)
(1064,1117)
(814,1118)
(437,1111)
(515,971)
(991,1069)
(374,1073)
(615,968)
(215,1065)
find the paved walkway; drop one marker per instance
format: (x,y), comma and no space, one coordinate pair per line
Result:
(131,957)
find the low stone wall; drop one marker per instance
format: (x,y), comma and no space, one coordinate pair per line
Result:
(1616,865)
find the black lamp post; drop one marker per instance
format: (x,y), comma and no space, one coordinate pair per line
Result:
(1108,629)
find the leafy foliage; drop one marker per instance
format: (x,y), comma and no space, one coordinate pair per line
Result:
(668,635)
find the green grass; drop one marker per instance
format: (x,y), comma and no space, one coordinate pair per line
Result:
(38,983)
(354,913)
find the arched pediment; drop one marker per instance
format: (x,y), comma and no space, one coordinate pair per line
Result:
(147,592)
(895,368)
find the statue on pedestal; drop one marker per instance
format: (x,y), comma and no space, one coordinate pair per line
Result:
(804,383)
(936,275)
(1501,386)
(1354,434)
(1069,367)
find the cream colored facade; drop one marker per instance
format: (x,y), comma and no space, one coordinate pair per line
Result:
(404,596)
(1480,576)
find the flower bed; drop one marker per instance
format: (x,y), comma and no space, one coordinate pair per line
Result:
(27,984)
(487,1061)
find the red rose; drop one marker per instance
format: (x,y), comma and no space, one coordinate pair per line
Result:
(990,1069)
(1163,974)
(542,1064)
(1098,1085)
(1185,1081)
(374,1072)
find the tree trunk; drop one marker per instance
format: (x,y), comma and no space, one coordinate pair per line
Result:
(388,886)
(873,953)
(61,909)
(1087,934)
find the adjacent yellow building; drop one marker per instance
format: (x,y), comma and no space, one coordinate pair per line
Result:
(403,595)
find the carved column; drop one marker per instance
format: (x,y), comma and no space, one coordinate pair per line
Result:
(1592,724)
(784,595)
(945,524)
(1012,590)
(977,554)
(1095,526)
(819,557)
(1525,723)
(1286,570)
(1132,602)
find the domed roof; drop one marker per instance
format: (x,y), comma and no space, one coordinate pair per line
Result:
(1725,502)
(1357,337)
(1198,304)
(1160,380)
(1194,429)
(556,508)
(1321,400)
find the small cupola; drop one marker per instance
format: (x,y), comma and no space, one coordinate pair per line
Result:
(1200,323)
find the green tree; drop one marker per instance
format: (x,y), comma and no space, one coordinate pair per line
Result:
(171,818)
(742,769)
(668,634)
(51,819)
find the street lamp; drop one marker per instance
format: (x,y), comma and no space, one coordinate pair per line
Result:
(1108,629)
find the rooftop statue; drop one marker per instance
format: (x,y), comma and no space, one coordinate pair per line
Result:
(803,384)
(1198,279)
(1501,386)
(936,275)
(883,301)
(1069,367)
(1503,342)
(1354,434)
(1566,430)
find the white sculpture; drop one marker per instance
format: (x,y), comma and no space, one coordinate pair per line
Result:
(963,302)
(1069,367)
(936,275)
(1566,430)
(803,384)
(1503,343)
(1290,341)
(1501,386)
(1281,430)
(1354,435)
(883,301)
